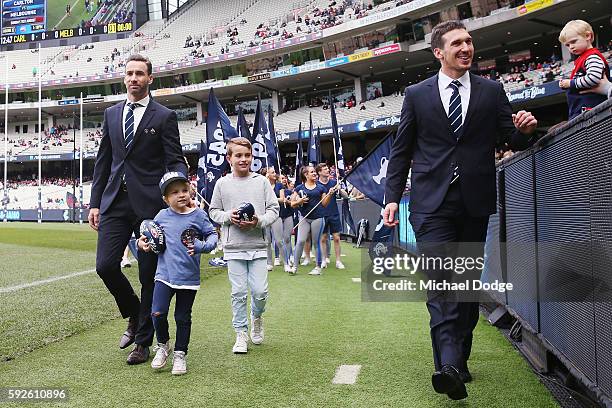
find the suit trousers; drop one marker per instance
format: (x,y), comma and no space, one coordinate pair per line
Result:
(116,227)
(450,232)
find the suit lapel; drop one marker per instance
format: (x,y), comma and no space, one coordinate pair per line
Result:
(119,124)
(144,122)
(475,90)
(435,101)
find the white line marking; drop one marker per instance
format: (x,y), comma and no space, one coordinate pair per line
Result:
(356,280)
(346,374)
(44,281)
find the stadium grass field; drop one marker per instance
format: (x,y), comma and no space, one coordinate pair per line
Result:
(56,10)
(65,333)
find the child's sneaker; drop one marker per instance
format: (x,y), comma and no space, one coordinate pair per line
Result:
(270,267)
(305,262)
(339,265)
(161,355)
(240,347)
(276,262)
(179,363)
(257,330)
(315,271)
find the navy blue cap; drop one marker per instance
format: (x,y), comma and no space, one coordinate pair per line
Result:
(169,178)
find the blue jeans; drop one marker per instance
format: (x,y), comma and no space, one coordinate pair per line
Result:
(243,275)
(162,294)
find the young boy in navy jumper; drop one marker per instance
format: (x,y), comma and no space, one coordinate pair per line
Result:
(589,68)
(187,233)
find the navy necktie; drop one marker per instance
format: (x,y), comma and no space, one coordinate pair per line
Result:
(129,124)
(454,118)
(454,109)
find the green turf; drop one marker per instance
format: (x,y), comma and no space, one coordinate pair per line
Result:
(313,325)
(56,10)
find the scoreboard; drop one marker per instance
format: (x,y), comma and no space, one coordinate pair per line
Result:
(23,17)
(26,21)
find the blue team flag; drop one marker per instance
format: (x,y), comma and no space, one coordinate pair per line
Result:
(347,218)
(314,156)
(260,130)
(370,175)
(218,131)
(242,126)
(338,143)
(202,170)
(273,137)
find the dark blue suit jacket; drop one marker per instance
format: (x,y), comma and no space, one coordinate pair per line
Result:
(424,137)
(155,150)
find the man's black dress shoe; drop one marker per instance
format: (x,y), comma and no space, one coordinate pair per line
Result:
(465,376)
(448,381)
(130,333)
(139,355)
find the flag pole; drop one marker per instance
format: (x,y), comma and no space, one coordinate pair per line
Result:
(81,162)
(39,137)
(6,99)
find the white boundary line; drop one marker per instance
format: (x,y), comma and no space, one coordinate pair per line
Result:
(15,288)
(346,374)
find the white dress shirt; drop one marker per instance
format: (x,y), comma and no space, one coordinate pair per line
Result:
(138,112)
(446,91)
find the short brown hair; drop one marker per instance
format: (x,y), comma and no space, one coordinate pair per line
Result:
(320,166)
(442,28)
(141,58)
(238,141)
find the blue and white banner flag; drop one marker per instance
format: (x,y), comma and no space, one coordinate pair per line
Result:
(260,141)
(218,131)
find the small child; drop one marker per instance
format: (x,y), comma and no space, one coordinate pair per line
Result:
(188,233)
(589,68)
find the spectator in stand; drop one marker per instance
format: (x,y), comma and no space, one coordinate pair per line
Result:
(589,68)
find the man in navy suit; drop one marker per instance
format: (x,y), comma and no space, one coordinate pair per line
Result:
(450,124)
(140,143)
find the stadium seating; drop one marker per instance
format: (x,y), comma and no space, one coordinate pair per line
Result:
(53,196)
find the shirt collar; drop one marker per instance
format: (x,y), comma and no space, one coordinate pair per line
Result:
(143,102)
(445,80)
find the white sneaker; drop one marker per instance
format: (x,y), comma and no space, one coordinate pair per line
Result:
(315,271)
(323,264)
(257,330)
(276,262)
(242,339)
(161,355)
(339,265)
(179,363)
(125,263)
(327,261)
(291,262)
(287,268)
(305,262)
(270,267)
